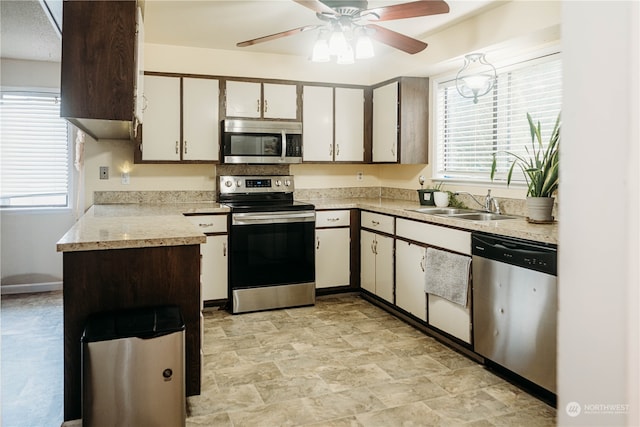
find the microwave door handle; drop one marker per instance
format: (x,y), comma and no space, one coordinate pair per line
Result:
(283,145)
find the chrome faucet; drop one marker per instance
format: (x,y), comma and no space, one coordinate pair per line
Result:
(490,203)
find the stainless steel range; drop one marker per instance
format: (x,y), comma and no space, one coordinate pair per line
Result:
(271,244)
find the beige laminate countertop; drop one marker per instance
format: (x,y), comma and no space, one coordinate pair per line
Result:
(148,225)
(136,226)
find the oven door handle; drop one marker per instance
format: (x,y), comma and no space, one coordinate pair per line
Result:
(272,218)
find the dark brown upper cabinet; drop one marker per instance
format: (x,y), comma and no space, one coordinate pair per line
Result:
(100,67)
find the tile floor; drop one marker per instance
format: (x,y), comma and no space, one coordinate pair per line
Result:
(343,362)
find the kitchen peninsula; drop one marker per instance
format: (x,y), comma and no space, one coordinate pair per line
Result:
(127,256)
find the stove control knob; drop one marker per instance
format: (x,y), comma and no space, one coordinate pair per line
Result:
(278,183)
(228,183)
(238,183)
(287,182)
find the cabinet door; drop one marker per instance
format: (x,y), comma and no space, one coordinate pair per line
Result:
(367,261)
(161,131)
(410,278)
(384,267)
(200,119)
(332,257)
(280,101)
(214,268)
(243,99)
(349,116)
(385,123)
(317,124)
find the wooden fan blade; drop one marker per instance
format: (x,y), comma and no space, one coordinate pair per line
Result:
(408,10)
(277,35)
(397,40)
(317,6)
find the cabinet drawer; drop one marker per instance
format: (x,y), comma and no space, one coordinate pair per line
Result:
(378,222)
(333,218)
(209,223)
(435,235)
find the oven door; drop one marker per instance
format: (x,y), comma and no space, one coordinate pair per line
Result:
(271,249)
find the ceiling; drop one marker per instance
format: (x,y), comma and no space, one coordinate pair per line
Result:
(27,31)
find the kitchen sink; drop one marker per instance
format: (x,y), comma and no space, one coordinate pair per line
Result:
(482,216)
(443,211)
(466,214)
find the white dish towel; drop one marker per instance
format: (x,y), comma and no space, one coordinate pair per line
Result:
(447,275)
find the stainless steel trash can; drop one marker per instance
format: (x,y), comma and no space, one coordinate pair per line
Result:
(133,368)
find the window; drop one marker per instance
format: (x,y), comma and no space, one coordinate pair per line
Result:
(34,151)
(468,134)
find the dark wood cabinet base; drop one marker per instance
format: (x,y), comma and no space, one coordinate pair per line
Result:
(105,280)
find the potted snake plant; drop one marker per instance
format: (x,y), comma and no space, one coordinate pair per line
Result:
(540,169)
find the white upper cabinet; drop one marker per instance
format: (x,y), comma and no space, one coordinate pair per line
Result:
(162,139)
(317,123)
(200,119)
(349,125)
(245,99)
(280,101)
(161,129)
(327,111)
(385,123)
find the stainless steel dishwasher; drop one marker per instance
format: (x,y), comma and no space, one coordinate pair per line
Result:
(515,305)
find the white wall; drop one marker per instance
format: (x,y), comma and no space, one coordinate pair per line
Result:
(28,241)
(599,257)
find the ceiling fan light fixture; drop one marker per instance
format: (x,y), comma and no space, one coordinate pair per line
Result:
(364,47)
(476,77)
(321,52)
(338,44)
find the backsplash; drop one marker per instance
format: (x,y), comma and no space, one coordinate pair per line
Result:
(507,206)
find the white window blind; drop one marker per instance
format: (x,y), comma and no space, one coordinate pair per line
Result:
(34,151)
(469,134)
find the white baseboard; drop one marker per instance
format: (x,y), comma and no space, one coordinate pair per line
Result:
(30,288)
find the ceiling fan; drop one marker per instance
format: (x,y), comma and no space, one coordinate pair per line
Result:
(352,19)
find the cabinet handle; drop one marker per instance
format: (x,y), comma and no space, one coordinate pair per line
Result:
(393,150)
(145,103)
(258,105)
(373,251)
(177,147)
(337,149)
(422,263)
(224,249)
(185,146)
(333,219)
(331,149)
(266,106)
(375,223)
(205,225)
(317,243)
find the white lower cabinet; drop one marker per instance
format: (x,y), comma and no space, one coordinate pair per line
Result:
(213,263)
(332,257)
(410,278)
(333,248)
(445,315)
(214,268)
(376,263)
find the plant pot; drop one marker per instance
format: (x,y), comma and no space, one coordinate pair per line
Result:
(540,209)
(426,197)
(441,199)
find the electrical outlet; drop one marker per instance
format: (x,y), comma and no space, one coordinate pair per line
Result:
(125,178)
(104,172)
(359,176)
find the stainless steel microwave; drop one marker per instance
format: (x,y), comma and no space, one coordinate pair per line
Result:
(261,141)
